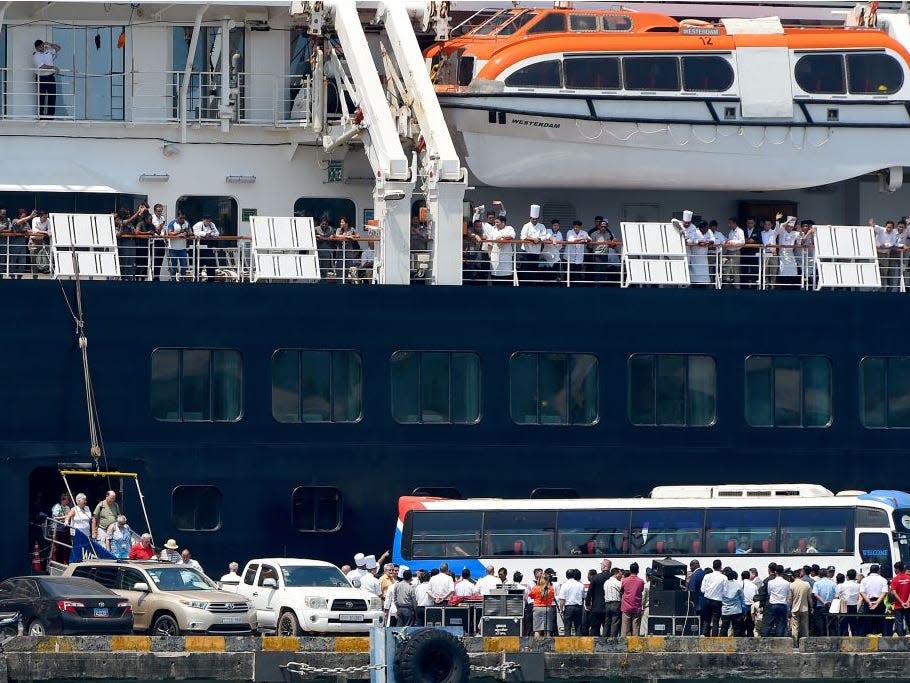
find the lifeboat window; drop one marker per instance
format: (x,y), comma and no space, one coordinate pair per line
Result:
(595,73)
(711,74)
(582,22)
(554,22)
(517,23)
(617,23)
(821,74)
(651,73)
(538,75)
(876,74)
(465,70)
(493,24)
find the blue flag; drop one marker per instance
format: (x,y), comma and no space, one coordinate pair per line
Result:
(84,548)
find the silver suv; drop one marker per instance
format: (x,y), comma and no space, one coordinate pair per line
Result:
(170,600)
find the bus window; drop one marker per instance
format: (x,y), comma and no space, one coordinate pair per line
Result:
(735,532)
(592,532)
(666,532)
(876,549)
(871,517)
(816,530)
(443,534)
(519,532)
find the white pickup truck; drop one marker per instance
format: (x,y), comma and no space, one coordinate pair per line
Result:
(293,596)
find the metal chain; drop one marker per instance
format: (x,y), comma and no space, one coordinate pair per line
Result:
(504,668)
(301,668)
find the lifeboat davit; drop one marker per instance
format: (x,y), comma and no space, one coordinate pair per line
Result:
(583,98)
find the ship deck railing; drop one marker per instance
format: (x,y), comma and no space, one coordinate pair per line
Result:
(351,260)
(153,97)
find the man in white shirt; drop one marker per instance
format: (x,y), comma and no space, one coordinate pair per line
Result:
(441,585)
(465,587)
(750,590)
(872,591)
(613,603)
(231,580)
(574,252)
(186,560)
(176,232)
(549,255)
(43,59)
(788,238)
(712,587)
(569,599)
(39,237)
(501,255)
(532,234)
(368,581)
(775,617)
(887,241)
(769,261)
(736,238)
(358,570)
(488,582)
(203,230)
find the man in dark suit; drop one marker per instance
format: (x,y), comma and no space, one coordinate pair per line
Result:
(595,605)
(696,597)
(749,255)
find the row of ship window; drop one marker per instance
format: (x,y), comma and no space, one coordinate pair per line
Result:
(819,74)
(445,387)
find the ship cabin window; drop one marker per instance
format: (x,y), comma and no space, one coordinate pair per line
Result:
(429,534)
(884,390)
(316,386)
(436,387)
(741,530)
(553,22)
(788,391)
(544,74)
(592,73)
(821,74)
(196,508)
(553,389)
(332,208)
(651,73)
(874,74)
(616,22)
(517,23)
(197,385)
(580,23)
(316,508)
(222,209)
(706,74)
(672,390)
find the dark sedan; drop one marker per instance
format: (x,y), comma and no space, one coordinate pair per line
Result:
(65,606)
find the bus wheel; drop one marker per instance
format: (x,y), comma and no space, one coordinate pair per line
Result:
(432,656)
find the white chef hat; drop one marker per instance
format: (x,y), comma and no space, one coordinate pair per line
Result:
(401,570)
(535,211)
(358,559)
(687,216)
(370,562)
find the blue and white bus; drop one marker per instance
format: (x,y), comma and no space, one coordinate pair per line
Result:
(745,526)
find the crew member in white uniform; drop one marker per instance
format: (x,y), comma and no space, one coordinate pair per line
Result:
(358,571)
(368,581)
(736,238)
(501,255)
(574,252)
(533,233)
(788,237)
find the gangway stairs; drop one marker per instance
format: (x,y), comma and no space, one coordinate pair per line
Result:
(432,169)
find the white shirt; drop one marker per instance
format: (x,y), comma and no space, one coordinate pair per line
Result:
(174,227)
(45,59)
(885,239)
(768,237)
(749,591)
(575,253)
(873,586)
(612,590)
(370,583)
(201,229)
(159,222)
(422,591)
(487,583)
(712,586)
(572,591)
(487,234)
(229,582)
(501,254)
(550,252)
(192,564)
(530,231)
(41,226)
(736,237)
(355,574)
(441,586)
(848,591)
(465,589)
(778,591)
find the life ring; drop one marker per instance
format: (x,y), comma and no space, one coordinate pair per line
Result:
(432,656)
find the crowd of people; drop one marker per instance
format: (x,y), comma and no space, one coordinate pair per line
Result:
(614,602)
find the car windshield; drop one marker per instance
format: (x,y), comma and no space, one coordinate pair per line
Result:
(180,579)
(325,577)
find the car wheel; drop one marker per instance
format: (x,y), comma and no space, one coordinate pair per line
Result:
(166,625)
(288,624)
(37,628)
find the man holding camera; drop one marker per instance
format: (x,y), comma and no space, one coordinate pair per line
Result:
(176,233)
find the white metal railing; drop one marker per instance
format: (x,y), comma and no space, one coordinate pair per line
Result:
(154,97)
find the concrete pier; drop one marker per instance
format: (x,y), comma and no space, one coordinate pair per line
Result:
(261,659)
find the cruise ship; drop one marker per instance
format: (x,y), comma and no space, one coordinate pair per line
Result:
(284,413)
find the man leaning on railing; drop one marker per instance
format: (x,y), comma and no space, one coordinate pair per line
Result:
(43,58)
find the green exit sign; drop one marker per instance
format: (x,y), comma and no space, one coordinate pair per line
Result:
(335,172)
(246,214)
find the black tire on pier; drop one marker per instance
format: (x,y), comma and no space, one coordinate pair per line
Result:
(165,625)
(288,624)
(36,628)
(432,656)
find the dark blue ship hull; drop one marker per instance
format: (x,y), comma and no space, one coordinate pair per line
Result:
(256,462)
